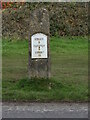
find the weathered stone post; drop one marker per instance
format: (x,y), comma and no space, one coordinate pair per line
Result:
(39,52)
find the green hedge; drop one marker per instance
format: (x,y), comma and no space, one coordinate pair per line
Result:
(65,19)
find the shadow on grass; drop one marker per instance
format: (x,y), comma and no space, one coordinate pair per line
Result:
(38,84)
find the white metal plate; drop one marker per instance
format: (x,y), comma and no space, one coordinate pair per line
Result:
(39,46)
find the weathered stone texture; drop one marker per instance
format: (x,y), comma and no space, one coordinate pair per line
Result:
(39,23)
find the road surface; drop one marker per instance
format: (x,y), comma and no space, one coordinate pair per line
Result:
(45,110)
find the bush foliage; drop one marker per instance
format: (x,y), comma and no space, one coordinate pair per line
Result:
(66,19)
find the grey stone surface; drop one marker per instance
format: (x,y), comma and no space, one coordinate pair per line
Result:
(45,110)
(39,23)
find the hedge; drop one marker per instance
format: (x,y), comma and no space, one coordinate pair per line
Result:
(66,19)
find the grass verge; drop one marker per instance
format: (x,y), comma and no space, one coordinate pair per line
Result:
(69,70)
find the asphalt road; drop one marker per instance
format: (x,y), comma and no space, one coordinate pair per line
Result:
(45,110)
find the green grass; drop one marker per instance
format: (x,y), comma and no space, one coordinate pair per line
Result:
(69,71)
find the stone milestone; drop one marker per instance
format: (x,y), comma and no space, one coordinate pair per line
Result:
(39,50)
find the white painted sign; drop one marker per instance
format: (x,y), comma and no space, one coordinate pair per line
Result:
(39,46)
